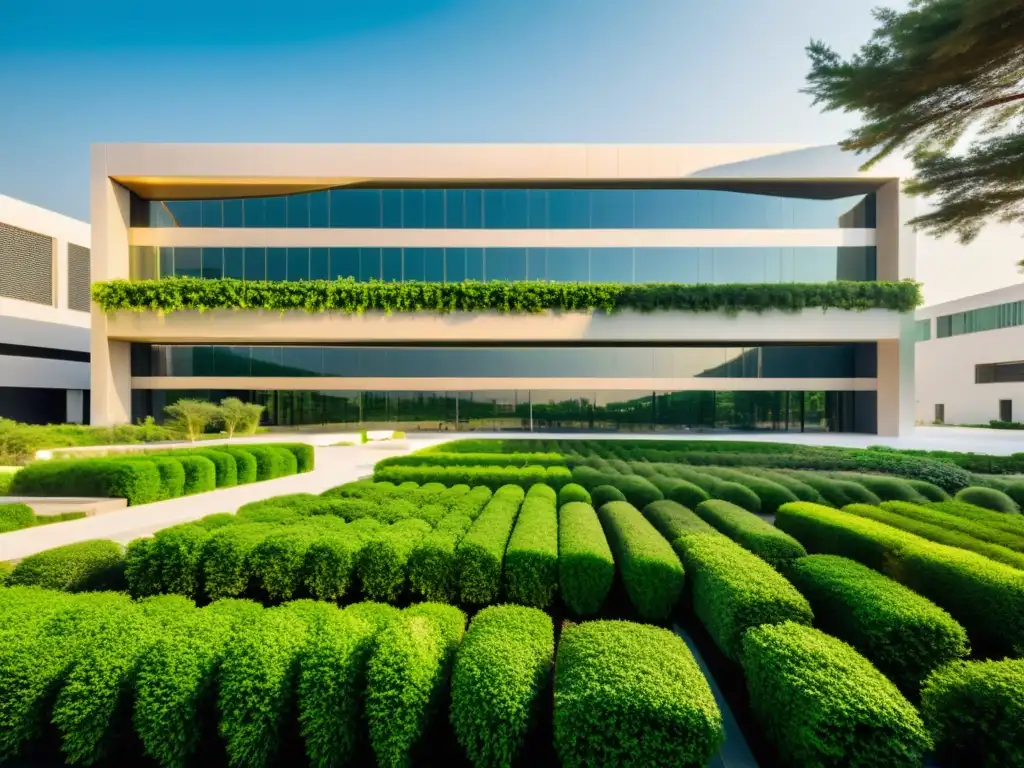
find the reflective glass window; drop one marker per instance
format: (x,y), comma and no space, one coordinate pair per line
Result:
(320,210)
(433,265)
(475,264)
(213,263)
(414,208)
(474,209)
(275,212)
(234,213)
(413,266)
(319,263)
(345,263)
(188,262)
(455,208)
(391,264)
(277,264)
(391,208)
(255,213)
(234,263)
(536,263)
(298,263)
(455,265)
(506,264)
(434,209)
(568,265)
(298,211)
(255,263)
(186,213)
(213,213)
(369,264)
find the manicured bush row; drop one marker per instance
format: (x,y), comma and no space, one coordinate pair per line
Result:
(481,552)
(332,558)
(573,492)
(903,634)
(384,559)
(136,481)
(938,533)
(172,473)
(930,491)
(224,466)
(674,520)
(974,528)
(170,562)
(474,459)
(886,488)
(838,493)
(471,504)
(407,676)
(15,516)
(602,494)
(751,532)
(93,708)
(305,455)
(975,712)
(500,674)
(432,568)
(531,558)
(269,463)
(639,491)
(679,490)
(734,590)
(631,695)
(586,568)
(276,562)
(986,597)
(798,488)
(200,473)
(772,494)
(988,498)
(822,703)
(91,565)
(651,572)
(245,463)
(492,477)
(332,680)
(996,520)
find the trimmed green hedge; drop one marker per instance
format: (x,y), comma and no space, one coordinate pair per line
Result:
(975,712)
(305,455)
(332,558)
(674,520)
(479,558)
(432,569)
(474,459)
(751,532)
(602,494)
(276,562)
(798,488)
(651,572)
(245,463)
(823,703)
(16,516)
(500,674)
(930,491)
(91,565)
(226,559)
(771,494)
(631,695)
(678,490)
(492,477)
(200,473)
(986,597)
(639,491)
(889,488)
(170,562)
(996,520)
(384,559)
(134,480)
(351,297)
(937,533)
(407,677)
(838,493)
(586,568)
(224,465)
(531,558)
(974,528)
(903,634)
(987,498)
(734,590)
(269,463)
(573,492)
(172,473)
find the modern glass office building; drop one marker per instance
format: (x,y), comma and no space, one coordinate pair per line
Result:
(688,215)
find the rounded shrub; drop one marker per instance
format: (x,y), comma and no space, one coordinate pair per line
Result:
(226,564)
(277,561)
(432,569)
(737,494)
(172,473)
(331,561)
(137,481)
(955,524)
(500,674)
(602,494)
(639,491)
(772,495)
(406,678)
(573,492)
(674,520)
(818,699)
(224,466)
(975,712)
(651,572)
(903,634)
(531,557)
(481,552)
(383,561)
(268,462)
(305,455)
(775,547)
(889,488)
(685,493)
(170,562)
(988,498)
(929,491)
(200,473)
(798,488)
(245,463)
(586,568)
(631,695)
(471,504)
(16,516)
(91,565)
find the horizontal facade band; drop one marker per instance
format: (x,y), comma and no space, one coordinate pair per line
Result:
(40,373)
(496,238)
(446,384)
(296,327)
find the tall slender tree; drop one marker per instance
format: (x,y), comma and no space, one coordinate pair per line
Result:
(942,82)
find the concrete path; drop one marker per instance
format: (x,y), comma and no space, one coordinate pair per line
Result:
(334,466)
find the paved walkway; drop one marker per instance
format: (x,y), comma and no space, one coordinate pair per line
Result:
(334,466)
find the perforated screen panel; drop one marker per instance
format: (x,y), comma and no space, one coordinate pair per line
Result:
(78,277)
(26,265)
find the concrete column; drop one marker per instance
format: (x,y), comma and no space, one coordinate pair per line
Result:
(110,369)
(76,406)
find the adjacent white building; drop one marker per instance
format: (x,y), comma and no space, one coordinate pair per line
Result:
(970,358)
(44,315)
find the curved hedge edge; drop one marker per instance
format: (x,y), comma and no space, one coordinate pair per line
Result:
(531,557)
(772,545)
(586,568)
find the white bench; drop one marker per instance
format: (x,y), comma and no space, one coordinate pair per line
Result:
(379,434)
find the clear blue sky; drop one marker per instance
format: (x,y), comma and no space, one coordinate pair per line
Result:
(74,72)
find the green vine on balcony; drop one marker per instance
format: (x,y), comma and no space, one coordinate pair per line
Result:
(347,296)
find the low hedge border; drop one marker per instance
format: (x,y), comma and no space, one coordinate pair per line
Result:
(887,488)
(432,567)
(531,558)
(997,520)
(820,701)
(674,520)
(384,559)
(771,494)
(976,529)
(13,517)
(734,590)
(985,596)
(975,712)
(586,568)
(492,477)
(988,498)
(903,634)
(678,490)
(631,694)
(651,572)
(481,553)
(93,565)
(407,676)
(775,547)
(348,296)
(500,674)
(331,560)
(937,533)
(475,459)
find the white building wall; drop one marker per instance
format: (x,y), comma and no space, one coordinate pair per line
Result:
(946,367)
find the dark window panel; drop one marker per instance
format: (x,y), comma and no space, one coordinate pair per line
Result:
(320,210)
(298,263)
(234,263)
(234,213)
(255,264)
(277,264)
(298,212)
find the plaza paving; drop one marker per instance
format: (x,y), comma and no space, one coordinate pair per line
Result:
(337,465)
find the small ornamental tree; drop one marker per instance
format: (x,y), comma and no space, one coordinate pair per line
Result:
(192,417)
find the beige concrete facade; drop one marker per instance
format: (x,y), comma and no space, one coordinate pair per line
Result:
(212,171)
